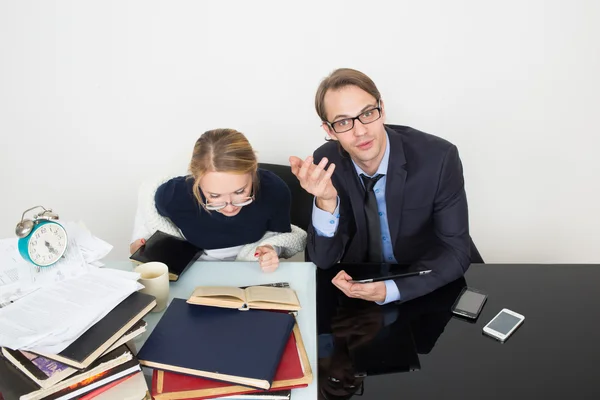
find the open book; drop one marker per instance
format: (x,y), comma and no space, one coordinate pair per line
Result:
(255,297)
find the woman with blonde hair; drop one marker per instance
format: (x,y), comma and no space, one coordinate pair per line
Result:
(226,206)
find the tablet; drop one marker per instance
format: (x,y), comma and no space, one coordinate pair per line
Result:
(381,272)
(178,254)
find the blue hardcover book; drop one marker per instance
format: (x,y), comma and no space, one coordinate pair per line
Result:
(242,347)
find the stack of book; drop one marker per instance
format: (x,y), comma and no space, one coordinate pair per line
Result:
(224,341)
(96,365)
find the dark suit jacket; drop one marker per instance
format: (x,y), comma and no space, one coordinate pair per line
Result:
(426,208)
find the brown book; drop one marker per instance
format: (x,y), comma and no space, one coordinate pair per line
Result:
(251,297)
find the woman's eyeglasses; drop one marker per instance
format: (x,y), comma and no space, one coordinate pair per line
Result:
(241,202)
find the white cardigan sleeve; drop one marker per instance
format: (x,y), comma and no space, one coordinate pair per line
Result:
(147,218)
(289,243)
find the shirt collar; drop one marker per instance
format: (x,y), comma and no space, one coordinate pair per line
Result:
(383,165)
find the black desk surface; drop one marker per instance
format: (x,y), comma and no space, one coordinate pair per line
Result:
(554,354)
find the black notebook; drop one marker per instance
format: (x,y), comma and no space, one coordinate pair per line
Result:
(178,254)
(101,336)
(242,347)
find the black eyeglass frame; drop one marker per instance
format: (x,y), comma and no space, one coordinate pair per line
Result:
(378,108)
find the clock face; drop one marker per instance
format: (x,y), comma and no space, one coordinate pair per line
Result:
(47,244)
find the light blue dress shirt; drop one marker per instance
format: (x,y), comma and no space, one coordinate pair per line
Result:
(326,224)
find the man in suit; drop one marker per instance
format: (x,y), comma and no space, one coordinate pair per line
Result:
(383,193)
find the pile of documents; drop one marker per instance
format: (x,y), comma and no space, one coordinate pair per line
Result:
(19,277)
(64,329)
(53,317)
(69,338)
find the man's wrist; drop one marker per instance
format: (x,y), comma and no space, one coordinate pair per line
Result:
(391,292)
(384,292)
(328,205)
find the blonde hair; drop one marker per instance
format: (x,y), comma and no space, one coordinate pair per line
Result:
(338,79)
(222,150)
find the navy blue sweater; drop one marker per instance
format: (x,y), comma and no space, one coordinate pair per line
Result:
(270,211)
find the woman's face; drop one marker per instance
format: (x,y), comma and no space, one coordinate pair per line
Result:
(226,188)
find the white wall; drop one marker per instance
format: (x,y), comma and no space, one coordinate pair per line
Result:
(95,96)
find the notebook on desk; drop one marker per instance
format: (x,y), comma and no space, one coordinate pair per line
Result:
(294,371)
(101,336)
(178,254)
(219,343)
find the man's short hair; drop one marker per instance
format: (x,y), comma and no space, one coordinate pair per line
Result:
(340,78)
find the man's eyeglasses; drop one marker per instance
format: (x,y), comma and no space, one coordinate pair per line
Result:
(357,390)
(346,124)
(216,206)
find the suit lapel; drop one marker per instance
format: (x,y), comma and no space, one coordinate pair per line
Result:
(357,201)
(394,186)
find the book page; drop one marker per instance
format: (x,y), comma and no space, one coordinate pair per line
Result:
(219,291)
(272,295)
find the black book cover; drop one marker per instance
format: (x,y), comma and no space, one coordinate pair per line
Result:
(96,340)
(178,254)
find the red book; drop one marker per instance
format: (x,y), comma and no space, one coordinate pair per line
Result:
(293,372)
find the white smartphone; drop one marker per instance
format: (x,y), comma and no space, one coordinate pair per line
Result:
(503,324)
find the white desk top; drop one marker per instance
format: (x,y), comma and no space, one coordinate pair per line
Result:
(300,275)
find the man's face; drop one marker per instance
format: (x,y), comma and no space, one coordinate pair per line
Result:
(364,142)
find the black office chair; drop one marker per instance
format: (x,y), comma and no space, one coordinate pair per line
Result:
(301,211)
(475,255)
(302,201)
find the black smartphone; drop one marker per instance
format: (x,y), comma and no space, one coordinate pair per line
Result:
(469,303)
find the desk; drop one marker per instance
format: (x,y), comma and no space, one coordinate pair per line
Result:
(555,354)
(300,275)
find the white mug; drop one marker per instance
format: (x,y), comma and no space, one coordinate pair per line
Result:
(155,278)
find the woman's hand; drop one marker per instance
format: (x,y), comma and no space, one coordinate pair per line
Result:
(267,258)
(133,247)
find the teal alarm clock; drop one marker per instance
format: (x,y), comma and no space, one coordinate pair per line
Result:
(42,240)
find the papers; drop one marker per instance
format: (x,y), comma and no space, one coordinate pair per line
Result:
(92,248)
(16,274)
(78,303)
(19,277)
